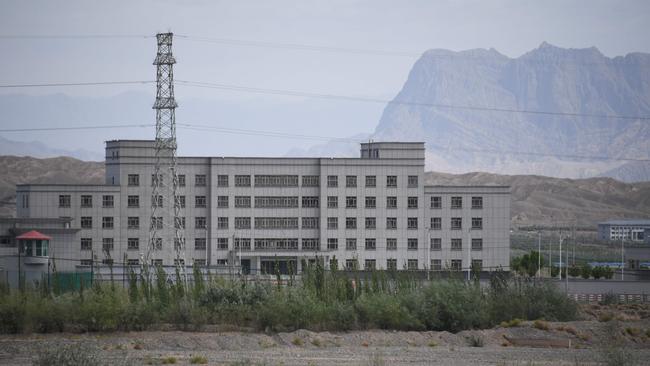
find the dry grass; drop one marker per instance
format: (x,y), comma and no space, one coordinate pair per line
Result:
(296,341)
(541,325)
(199,360)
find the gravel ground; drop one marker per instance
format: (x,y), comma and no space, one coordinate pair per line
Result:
(592,343)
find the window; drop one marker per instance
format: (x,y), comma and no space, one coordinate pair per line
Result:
(86,222)
(64,200)
(456,202)
(86,201)
(133,222)
(107,222)
(391,223)
(391,244)
(351,181)
(311,244)
(477,223)
(276,202)
(456,264)
(310,222)
(412,223)
(350,202)
(391,202)
(86,262)
(107,261)
(275,223)
(370,264)
(200,202)
(436,264)
(200,243)
(436,223)
(86,243)
(222,243)
(436,244)
(133,201)
(412,181)
(332,202)
(456,223)
(276,181)
(199,262)
(222,181)
(181,180)
(241,243)
(154,180)
(456,244)
(371,202)
(242,201)
(350,244)
(412,264)
(107,244)
(181,201)
(391,181)
(201,223)
(157,262)
(25,200)
(107,201)
(277,244)
(309,201)
(351,265)
(243,222)
(371,222)
(412,202)
(200,180)
(332,244)
(436,202)
(222,201)
(391,264)
(371,244)
(179,223)
(332,223)
(371,181)
(133,180)
(477,265)
(133,244)
(157,223)
(477,244)
(332,181)
(477,203)
(412,244)
(350,222)
(179,244)
(222,262)
(157,201)
(242,180)
(179,262)
(310,181)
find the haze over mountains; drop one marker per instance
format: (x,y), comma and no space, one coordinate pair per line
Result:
(430,108)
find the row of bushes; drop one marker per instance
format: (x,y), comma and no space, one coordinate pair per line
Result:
(319,301)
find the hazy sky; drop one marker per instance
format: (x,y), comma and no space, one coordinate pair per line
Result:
(511,27)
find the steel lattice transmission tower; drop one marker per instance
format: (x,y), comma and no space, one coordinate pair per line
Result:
(165,147)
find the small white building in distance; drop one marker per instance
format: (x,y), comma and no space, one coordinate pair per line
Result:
(369,212)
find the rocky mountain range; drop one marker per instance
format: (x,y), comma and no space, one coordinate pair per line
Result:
(536,200)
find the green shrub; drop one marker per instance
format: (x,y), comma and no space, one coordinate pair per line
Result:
(200,360)
(541,324)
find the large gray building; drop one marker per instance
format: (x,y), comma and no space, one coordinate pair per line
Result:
(368,212)
(630,230)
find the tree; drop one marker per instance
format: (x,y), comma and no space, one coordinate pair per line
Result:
(574,271)
(586,271)
(527,264)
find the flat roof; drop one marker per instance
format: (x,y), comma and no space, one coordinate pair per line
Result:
(636,222)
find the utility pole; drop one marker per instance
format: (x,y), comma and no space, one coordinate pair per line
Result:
(165,151)
(622,257)
(429,255)
(539,253)
(560,264)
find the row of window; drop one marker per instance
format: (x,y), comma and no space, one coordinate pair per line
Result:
(456,202)
(200,222)
(200,180)
(65,200)
(456,223)
(350,264)
(289,244)
(411,264)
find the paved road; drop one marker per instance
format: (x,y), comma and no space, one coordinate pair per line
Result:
(579,286)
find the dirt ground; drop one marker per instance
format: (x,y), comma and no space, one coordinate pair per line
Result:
(609,336)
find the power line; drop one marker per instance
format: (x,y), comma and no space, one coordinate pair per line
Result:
(74,36)
(90,83)
(75,128)
(294,93)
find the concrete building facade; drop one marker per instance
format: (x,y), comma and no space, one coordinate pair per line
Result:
(266,213)
(629,230)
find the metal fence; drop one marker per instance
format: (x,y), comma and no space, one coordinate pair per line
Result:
(620,298)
